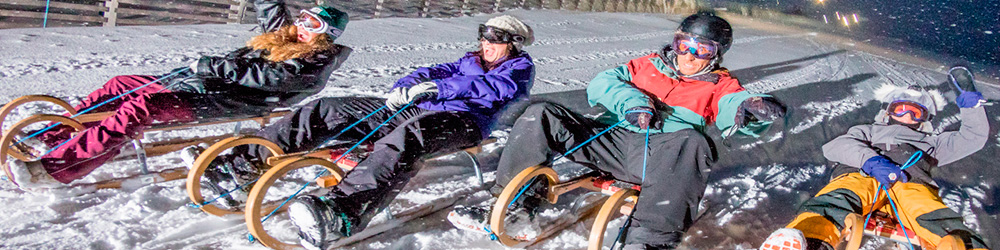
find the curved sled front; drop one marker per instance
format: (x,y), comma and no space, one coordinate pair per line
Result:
(853,231)
(205,158)
(951,242)
(256,211)
(617,204)
(7,141)
(8,137)
(10,106)
(499,212)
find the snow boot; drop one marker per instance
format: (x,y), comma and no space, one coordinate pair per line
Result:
(228,175)
(32,146)
(31,175)
(648,247)
(785,239)
(320,221)
(190,154)
(472,218)
(520,220)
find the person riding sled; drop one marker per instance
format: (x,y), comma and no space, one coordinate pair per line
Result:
(291,61)
(868,164)
(440,108)
(673,95)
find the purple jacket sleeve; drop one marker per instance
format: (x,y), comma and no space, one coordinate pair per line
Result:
(428,73)
(499,85)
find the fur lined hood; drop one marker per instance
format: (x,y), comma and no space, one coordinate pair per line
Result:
(931,99)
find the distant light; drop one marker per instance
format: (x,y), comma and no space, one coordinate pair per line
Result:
(847,23)
(838,15)
(855,18)
(825,20)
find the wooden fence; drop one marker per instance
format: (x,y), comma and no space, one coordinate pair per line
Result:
(32,13)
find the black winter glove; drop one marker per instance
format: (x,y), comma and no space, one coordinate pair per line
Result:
(639,117)
(759,109)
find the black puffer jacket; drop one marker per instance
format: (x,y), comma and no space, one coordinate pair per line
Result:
(247,77)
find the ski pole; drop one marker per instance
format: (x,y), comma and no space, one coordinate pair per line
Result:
(36,133)
(250,236)
(45,19)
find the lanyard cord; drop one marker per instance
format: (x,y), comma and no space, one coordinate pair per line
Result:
(336,160)
(909,163)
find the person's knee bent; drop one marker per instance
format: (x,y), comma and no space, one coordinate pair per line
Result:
(692,138)
(538,109)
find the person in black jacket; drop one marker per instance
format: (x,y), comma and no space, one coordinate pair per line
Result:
(291,61)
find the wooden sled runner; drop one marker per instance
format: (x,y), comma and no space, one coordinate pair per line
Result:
(621,201)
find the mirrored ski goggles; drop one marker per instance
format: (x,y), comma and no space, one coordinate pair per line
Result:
(311,22)
(701,48)
(901,108)
(497,35)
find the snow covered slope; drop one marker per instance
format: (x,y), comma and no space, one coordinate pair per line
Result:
(755,188)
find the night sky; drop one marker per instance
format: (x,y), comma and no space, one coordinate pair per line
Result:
(962,31)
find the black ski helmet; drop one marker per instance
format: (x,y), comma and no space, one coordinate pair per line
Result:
(709,26)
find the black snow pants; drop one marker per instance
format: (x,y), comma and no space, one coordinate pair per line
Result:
(675,178)
(397,146)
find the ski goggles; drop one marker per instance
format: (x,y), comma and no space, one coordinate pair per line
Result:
(311,22)
(901,108)
(701,48)
(497,35)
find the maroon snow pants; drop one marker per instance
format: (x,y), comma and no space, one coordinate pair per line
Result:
(89,149)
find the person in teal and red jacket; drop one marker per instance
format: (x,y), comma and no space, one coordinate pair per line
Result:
(674,94)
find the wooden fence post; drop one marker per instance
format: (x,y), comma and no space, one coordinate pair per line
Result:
(378,8)
(424,8)
(112,14)
(240,9)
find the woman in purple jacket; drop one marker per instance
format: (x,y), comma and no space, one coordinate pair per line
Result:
(454,105)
